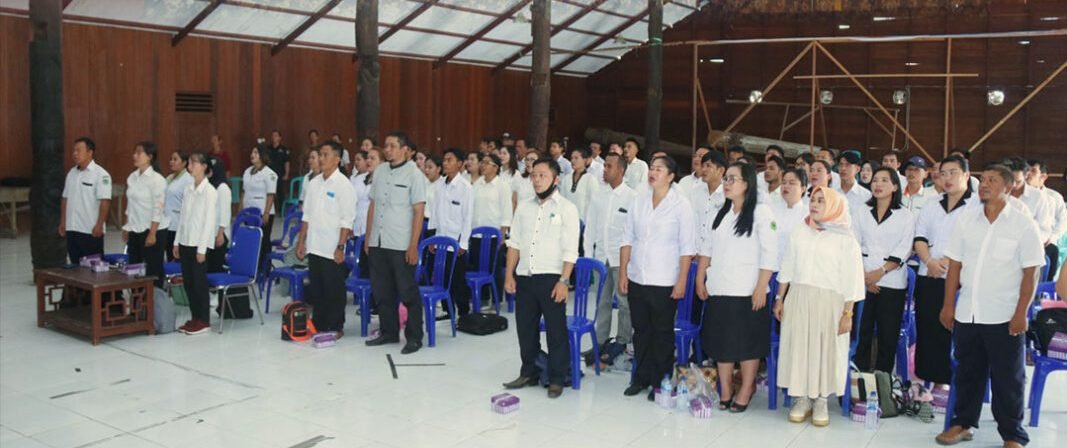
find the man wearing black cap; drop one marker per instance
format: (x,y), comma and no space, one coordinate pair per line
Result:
(849,164)
(914,196)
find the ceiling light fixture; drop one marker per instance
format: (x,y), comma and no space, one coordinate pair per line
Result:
(1050,19)
(843,26)
(995,97)
(1024,42)
(911,64)
(826,97)
(717,60)
(755,96)
(883,18)
(900,97)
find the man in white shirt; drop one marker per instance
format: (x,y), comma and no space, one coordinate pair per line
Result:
(542,250)
(451,212)
(850,163)
(636,169)
(86,201)
(914,195)
(596,164)
(556,150)
(707,200)
(1036,177)
(329,210)
(1036,200)
(603,238)
(994,254)
(891,159)
(772,177)
(828,155)
(696,178)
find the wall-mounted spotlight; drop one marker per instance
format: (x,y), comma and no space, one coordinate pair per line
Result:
(995,97)
(755,96)
(900,97)
(826,97)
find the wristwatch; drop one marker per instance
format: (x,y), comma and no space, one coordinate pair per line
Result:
(340,247)
(566,281)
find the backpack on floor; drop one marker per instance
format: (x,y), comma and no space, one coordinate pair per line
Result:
(481,324)
(296,322)
(887,387)
(163,312)
(1047,323)
(238,304)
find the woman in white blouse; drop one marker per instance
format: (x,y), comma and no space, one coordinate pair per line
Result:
(885,231)
(658,244)
(821,277)
(521,187)
(361,183)
(216,254)
(172,201)
(739,255)
(492,205)
(313,170)
(578,186)
(196,233)
(509,166)
(472,167)
(260,183)
(145,189)
(791,207)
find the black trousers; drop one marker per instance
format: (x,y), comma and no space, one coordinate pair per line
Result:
(216,256)
(652,311)
(883,311)
(166,238)
(461,292)
(151,256)
(933,342)
(265,247)
(392,277)
(988,353)
(533,300)
(326,293)
(194,275)
(1052,251)
(83,244)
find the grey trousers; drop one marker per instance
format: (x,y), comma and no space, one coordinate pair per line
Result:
(604,315)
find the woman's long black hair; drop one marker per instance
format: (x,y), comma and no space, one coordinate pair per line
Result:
(216,175)
(894,200)
(746,221)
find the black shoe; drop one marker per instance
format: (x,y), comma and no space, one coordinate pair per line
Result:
(381,340)
(555,390)
(520,382)
(442,318)
(652,395)
(633,389)
(411,347)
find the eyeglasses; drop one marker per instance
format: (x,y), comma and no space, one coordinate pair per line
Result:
(732,179)
(951,173)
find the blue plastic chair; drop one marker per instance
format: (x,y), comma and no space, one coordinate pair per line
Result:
(485,274)
(293,223)
(1043,366)
(357,284)
(295,186)
(295,276)
(248,217)
(772,356)
(579,323)
(1044,269)
(846,401)
(243,262)
(685,331)
(115,258)
(445,249)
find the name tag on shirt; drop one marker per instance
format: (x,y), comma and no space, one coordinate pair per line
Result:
(400,185)
(455,203)
(622,210)
(330,194)
(87,184)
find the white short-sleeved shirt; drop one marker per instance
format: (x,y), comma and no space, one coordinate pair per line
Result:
(546,235)
(605,222)
(689,183)
(915,202)
(857,198)
(1041,210)
(787,219)
(827,259)
(1059,213)
(83,190)
(579,194)
(523,189)
(565,167)
(993,256)
(258,185)
(736,261)
(658,237)
(144,200)
(362,191)
(492,203)
(452,205)
(705,206)
(172,204)
(330,207)
(935,223)
(223,197)
(431,191)
(596,169)
(889,240)
(636,175)
(304,189)
(199,212)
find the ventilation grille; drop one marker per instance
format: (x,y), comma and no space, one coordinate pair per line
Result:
(194,102)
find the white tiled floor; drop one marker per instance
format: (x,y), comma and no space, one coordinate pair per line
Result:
(247,388)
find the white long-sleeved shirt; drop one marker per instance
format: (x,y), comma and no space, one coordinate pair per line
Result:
(172,202)
(636,175)
(431,190)
(606,221)
(689,183)
(329,207)
(452,205)
(565,167)
(581,193)
(199,219)
(1041,210)
(362,192)
(1059,213)
(706,205)
(144,200)
(736,261)
(787,220)
(658,237)
(223,196)
(523,189)
(492,203)
(546,235)
(827,259)
(888,240)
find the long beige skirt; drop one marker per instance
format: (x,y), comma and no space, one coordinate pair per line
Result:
(813,358)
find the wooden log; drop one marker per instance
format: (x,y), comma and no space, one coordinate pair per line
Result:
(540,79)
(654,100)
(46,127)
(368,96)
(718,139)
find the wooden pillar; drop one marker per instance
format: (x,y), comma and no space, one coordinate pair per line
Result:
(368,96)
(654,101)
(46,127)
(540,76)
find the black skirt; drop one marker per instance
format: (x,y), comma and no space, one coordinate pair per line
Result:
(732,332)
(933,343)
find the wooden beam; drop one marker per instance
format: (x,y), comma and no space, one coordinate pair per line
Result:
(406,20)
(891,75)
(1022,103)
(368,82)
(654,96)
(66,3)
(566,23)
(540,74)
(277,48)
(814,93)
(787,127)
(879,123)
(773,83)
(482,32)
(696,80)
(48,249)
(874,100)
(610,34)
(788,104)
(189,27)
(948,96)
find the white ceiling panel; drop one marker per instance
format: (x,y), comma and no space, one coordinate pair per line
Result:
(488,52)
(389,11)
(598,22)
(250,22)
(417,43)
(625,7)
(21,5)
(493,6)
(587,64)
(299,5)
(331,32)
(570,40)
(437,18)
(511,31)
(556,58)
(173,13)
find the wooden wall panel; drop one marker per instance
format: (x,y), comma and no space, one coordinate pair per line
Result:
(15,150)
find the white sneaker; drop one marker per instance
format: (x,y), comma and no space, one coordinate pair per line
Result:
(820,414)
(801,410)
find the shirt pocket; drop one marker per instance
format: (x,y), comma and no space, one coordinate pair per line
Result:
(399,194)
(1003,249)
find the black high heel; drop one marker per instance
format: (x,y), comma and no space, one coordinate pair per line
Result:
(726,405)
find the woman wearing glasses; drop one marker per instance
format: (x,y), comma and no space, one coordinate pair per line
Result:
(521,187)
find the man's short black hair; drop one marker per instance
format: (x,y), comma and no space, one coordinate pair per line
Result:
(1015,164)
(736,148)
(584,151)
(777,149)
(1041,165)
(552,164)
(777,161)
(807,157)
(458,153)
(401,137)
(636,143)
(333,146)
(959,160)
(89,143)
(619,159)
(1003,171)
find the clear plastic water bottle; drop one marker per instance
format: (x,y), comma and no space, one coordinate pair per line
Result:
(871,419)
(665,386)
(683,395)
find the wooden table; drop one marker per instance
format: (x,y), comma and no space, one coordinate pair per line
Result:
(91,303)
(12,201)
